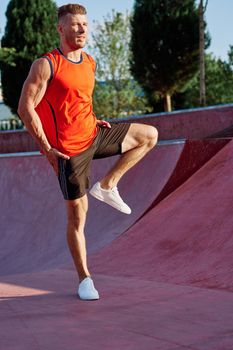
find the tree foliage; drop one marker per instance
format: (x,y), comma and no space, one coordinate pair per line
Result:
(30,32)
(116,93)
(219,84)
(165,46)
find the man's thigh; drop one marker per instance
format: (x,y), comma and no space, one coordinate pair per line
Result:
(74,174)
(109,140)
(137,135)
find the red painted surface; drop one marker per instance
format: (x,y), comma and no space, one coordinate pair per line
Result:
(187,238)
(188,124)
(33,213)
(191,124)
(165,281)
(194,155)
(17,141)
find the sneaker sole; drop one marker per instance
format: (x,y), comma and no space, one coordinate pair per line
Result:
(87,299)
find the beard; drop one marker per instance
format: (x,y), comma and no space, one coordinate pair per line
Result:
(74,42)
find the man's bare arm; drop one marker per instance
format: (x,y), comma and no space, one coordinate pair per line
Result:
(32,93)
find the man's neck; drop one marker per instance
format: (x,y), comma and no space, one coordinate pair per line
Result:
(74,56)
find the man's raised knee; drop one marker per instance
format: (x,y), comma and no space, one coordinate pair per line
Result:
(152,136)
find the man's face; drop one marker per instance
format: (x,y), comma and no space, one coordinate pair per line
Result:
(73,30)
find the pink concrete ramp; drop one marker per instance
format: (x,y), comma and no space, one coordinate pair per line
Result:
(187,238)
(33,219)
(164,276)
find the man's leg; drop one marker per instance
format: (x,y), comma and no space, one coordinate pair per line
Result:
(139,140)
(76,215)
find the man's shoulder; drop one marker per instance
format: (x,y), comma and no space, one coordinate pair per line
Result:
(88,58)
(50,54)
(46,63)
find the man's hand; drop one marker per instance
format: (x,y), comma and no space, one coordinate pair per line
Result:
(52,155)
(103,124)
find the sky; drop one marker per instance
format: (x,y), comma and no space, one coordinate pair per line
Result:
(219,18)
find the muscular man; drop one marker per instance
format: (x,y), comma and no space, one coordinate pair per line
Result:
(56,108)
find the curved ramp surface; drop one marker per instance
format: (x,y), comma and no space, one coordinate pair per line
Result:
(33,218)
(187,238)
(177,240)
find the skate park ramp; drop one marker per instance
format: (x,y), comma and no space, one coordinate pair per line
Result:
(33,213)
(187,238)
(164,273)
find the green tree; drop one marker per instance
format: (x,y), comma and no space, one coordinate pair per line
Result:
(219,84)
(116,93)
(165,46)
(30,32)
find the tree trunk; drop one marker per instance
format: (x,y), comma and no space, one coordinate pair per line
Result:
(202,54)
(168,103)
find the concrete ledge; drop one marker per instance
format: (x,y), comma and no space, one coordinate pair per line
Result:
(196,123)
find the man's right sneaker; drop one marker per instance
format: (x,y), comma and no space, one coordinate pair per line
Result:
(87,291)
(111,197)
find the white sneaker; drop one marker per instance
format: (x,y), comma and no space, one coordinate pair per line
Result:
(87,291)
(111,197)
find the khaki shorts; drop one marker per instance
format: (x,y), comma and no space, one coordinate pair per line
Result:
(74,173)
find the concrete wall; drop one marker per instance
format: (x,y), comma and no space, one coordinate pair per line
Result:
(187,124)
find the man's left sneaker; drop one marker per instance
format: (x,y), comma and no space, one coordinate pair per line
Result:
(111,197)
(87,291)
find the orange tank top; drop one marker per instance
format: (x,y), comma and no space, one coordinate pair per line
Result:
(66,110)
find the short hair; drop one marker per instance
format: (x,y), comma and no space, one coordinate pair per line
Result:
(73,9)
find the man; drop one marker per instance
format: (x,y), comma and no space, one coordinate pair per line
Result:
(56,108)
